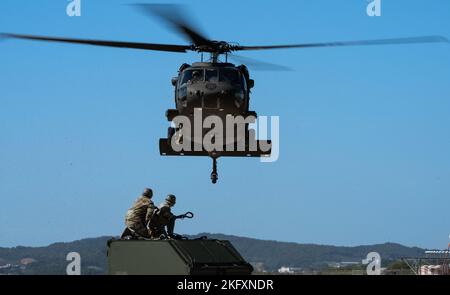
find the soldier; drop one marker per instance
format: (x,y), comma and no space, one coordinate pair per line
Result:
(165,218)
(139,215)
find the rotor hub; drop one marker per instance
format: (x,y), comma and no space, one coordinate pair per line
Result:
(216,47)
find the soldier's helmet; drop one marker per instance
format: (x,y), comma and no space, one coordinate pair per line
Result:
(147,193)
(171,200)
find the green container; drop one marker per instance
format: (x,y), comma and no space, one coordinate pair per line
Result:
(175,257)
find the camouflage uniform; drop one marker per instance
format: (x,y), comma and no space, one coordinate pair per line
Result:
(138,216)
(164,217)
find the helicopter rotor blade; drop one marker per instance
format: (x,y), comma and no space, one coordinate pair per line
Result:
(132,45)
(258,65)
(411,40)
(176,17)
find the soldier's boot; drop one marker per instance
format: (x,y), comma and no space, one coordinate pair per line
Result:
(127,233)
(157,234)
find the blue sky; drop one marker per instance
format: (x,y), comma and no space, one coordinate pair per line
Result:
(365,131)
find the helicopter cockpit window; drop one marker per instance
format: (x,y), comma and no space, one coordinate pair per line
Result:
(229,75)
(211,75)
(192,76)
(243,82)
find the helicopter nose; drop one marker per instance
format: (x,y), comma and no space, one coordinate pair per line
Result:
(207,96)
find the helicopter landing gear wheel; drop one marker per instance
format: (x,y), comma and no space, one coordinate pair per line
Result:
(214,175)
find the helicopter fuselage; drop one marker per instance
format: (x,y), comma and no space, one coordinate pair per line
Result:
(220,88)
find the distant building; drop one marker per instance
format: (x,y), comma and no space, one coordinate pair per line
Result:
(430,270)
(27,261)
(258,267)
(289,270)
(435,262)
(9,269)
(343,264)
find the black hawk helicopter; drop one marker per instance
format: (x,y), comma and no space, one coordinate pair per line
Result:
(213,87)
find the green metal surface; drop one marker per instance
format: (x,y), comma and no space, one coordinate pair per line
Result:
(175,257)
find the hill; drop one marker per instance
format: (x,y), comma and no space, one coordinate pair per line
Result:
(269,254)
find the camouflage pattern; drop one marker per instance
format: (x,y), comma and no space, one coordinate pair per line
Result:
(139,229)
(165,214)
(138,216)
(164,217)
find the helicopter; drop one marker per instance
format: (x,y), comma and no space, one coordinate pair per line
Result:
(212,88)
